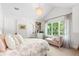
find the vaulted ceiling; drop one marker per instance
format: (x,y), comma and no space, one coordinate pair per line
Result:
(27,10)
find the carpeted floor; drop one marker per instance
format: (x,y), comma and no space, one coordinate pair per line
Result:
(54,51)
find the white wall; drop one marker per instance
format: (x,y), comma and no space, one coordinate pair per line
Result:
(29,26)
(26,15)
(75,19)
(9,24)
(75,27)
(1,19)
(58,12)
(13,17)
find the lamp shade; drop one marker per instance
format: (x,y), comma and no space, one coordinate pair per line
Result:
(39,11)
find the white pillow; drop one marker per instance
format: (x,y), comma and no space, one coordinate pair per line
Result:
(20,38)
(10,42)
(16,40)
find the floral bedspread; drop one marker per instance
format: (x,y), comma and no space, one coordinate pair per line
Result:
(30,47)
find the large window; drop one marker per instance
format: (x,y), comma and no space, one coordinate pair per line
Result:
(55,28)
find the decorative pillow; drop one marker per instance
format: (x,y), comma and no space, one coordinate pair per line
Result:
(10,42)
(2,45)
(16,40)
(2,36)
(20,38)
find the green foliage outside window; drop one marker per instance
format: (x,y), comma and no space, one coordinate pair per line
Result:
(55,28)
(62,28)
(49,29)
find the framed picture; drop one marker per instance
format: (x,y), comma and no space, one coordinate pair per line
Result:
(38,26)
(22,26)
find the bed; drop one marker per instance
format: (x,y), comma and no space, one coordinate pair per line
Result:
(30,47)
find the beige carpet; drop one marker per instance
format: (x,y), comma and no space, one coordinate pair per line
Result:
(54,51)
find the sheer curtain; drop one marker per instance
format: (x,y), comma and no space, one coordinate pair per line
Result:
(67,36)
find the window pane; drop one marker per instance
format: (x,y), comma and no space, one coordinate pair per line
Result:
(49,29)
(61,28)
(55,29)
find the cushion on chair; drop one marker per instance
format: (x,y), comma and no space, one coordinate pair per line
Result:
(55,41)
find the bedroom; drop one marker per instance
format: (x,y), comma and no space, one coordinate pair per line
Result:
(39,24)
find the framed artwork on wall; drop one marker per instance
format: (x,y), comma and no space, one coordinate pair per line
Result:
(38,26)
(22,26)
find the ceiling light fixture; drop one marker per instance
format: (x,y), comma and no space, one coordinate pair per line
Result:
(39,10)
(16,8)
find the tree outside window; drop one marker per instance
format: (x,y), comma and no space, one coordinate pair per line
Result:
(55,28)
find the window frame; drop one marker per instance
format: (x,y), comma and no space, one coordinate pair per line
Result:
(59,19)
